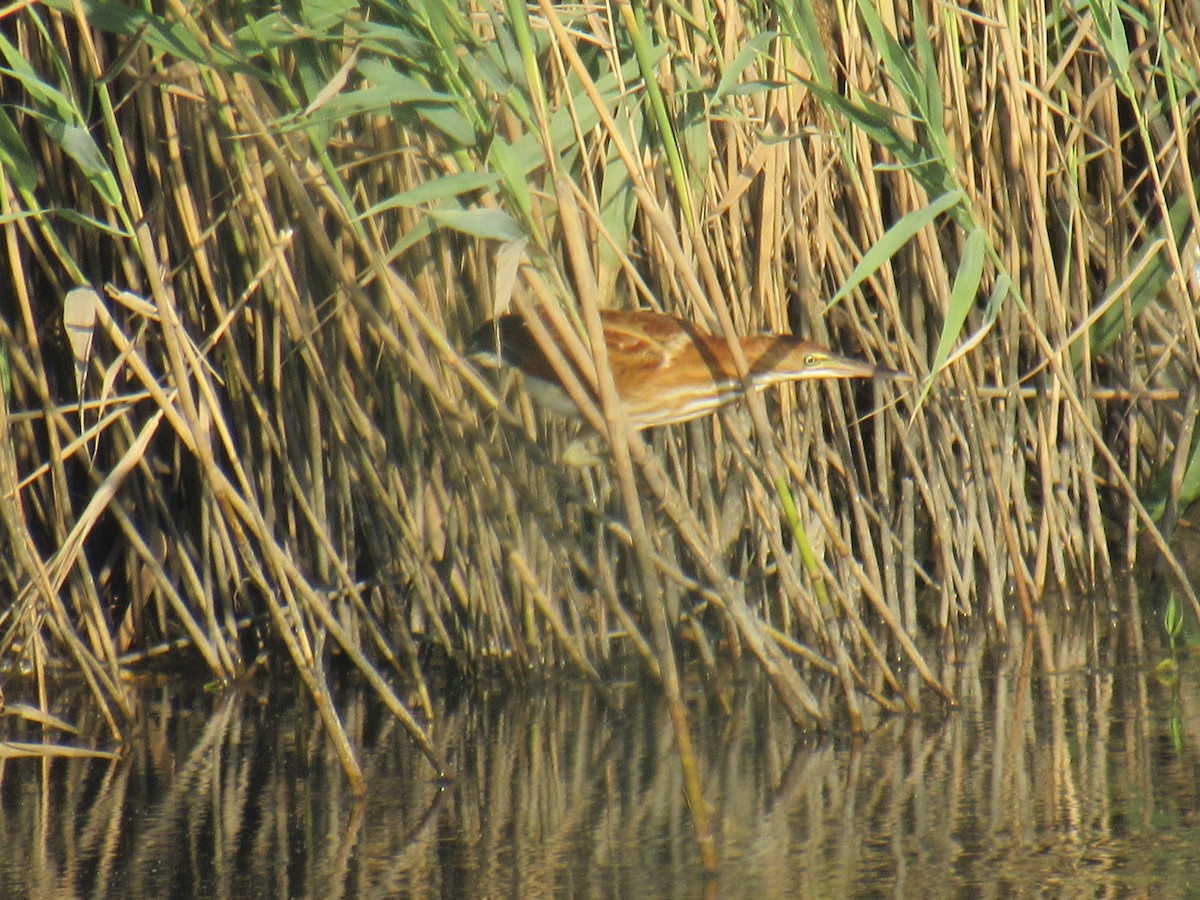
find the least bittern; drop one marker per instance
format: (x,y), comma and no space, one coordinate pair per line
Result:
(666,370)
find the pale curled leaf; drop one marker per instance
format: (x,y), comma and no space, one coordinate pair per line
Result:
(508,261)
(79,322)
(335,85)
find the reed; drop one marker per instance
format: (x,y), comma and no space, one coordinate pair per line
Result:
(260,439)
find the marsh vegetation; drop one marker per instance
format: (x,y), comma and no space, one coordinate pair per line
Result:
(244,246)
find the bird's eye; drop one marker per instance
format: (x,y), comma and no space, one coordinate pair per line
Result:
(812,359)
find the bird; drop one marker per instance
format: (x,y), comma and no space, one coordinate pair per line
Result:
(667,370)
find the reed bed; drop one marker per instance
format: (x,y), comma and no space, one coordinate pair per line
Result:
(253,437)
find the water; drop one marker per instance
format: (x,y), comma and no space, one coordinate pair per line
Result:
(1069,770)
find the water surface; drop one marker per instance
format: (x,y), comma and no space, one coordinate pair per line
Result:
(1069,770)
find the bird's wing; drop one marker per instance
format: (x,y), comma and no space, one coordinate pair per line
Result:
(647,339)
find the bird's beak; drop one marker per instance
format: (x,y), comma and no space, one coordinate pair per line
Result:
(893,374)
(846,367)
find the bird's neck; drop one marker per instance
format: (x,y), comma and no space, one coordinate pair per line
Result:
(770,358)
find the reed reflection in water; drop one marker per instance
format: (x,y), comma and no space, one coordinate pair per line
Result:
(1064,772)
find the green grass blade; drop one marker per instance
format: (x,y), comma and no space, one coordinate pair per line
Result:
(893,239)
(490,224)
(962,301)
